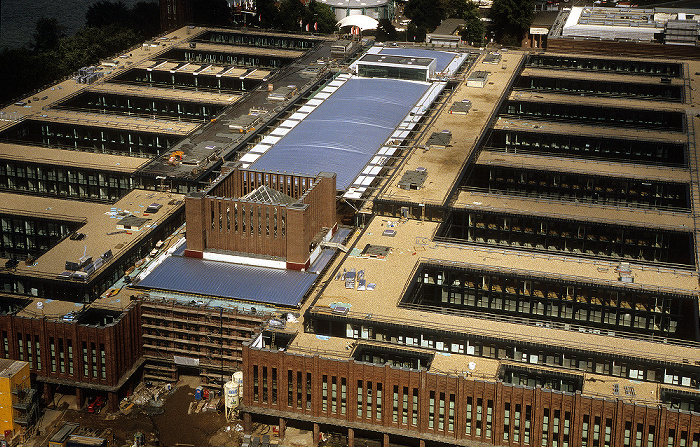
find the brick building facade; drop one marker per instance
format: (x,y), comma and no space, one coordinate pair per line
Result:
(385,402)
(262,214)
(97,351)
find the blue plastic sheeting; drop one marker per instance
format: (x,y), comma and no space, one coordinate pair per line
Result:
(234,281)
(344,132)
(442,58)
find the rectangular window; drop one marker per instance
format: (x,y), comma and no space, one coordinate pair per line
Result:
(468,425)
(608,432)
(489,418)
(567,428)
(38,353)
(359,398)
(479,415)
(20,345)
(638,435)
(61,356)
(343,395)
(52,353)
(93,351)
(369,400)
(584,431)
(264,384)
(6,344)
(431,410)
(441,412)
(516,423)
(596,431)
(671,437)
(414,419)
(103,362)
(628,434)
(395,414)
(555,429)
(29,351)
(70,357)
(274,386)
(545,427)
(404,408)
(650,437)
(379,401)
(290,388)
(451,414)
(528,420)
(334,394)
(324,395)
(308,391)
(86,364)
(299,385)
(256,383)
(506,421)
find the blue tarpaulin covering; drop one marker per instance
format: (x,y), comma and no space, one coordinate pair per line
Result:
(343,133)
(226,280)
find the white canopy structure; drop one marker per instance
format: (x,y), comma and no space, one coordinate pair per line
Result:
(360,21)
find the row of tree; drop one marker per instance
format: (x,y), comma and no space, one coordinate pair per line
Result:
(109,28)
(510,19)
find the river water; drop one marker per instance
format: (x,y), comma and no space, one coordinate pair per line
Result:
(18,18)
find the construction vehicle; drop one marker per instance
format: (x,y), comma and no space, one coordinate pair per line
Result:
(176,158)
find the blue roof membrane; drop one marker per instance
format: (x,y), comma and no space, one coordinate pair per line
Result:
(442,58)
(344,132)
(233,281)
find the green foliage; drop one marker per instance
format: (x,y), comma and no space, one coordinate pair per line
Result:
(291,13)
(424,14)
(267,13)
(211,12)
(511,18)
(415,33)
(47,34)
(55,56)
(321,14)
(385,31)
(105,13)
(456,8)
(474,29)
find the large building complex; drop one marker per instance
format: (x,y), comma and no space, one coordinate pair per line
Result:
(525,275)
(522,267)
(93,175)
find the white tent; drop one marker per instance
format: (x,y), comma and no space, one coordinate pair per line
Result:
(360,21)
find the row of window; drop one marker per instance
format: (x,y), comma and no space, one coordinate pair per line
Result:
(61,356)
(188,80)
(640,369)
(518,420)
(672,69)
(582,146)
(63,182)
(609,116)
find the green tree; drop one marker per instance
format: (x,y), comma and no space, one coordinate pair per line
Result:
(291,15)
(385,31)
(511,19)
(323,16)
(474,29)
(456,8)
(145,18)
(425,14)
(47,34)
(211,12)
(105,13)
(267,13)
(415,33)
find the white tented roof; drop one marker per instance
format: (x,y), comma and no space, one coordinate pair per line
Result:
(361,21)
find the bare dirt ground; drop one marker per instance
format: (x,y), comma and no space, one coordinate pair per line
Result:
(166,425)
